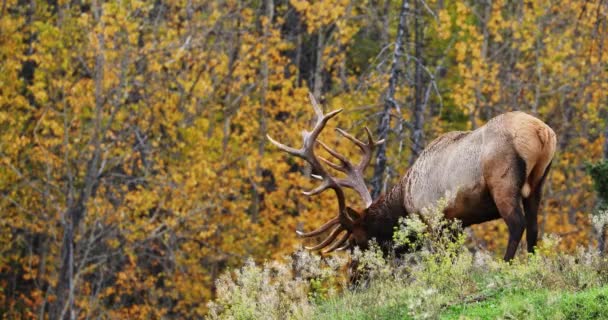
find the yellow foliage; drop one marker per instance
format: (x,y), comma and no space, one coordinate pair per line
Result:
(142,126)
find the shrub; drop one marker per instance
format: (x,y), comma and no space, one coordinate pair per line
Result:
(599,174)
(277,290)
(440,276)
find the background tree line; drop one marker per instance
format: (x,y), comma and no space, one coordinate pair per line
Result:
(134,167)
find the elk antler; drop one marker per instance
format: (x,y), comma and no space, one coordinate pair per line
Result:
(354,176)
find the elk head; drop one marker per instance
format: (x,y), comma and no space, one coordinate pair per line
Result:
(347,228)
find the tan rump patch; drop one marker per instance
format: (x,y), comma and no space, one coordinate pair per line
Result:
(535,143)
(525,190)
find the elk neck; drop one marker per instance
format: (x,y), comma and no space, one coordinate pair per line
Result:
(383,215)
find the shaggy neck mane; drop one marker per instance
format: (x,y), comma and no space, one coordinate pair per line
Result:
(390,204)
(384,213)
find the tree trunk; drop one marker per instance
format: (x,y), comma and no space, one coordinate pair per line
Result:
(317,85)
(384,36)
(63,307)
(389,102)
(298,58)
(28,66)
(606,140)
(419,92)
(603,236)
(257,192)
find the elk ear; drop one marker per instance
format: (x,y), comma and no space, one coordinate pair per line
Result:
(352,213)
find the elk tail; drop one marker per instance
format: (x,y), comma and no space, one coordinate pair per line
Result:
(548,142)
(525,190)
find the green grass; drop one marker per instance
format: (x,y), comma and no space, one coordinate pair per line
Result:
(538,304)
(378,302)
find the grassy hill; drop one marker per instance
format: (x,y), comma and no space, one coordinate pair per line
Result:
(443,280)
(591,303)
(536,304)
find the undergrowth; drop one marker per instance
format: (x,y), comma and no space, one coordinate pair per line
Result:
(441,278)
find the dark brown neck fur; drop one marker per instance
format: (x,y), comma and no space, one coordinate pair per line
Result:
(383,215)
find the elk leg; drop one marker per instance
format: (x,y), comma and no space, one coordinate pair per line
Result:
(505,182)
(514,217)
(508,202)
(531,205)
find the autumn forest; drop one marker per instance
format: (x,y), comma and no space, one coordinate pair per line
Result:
(134,163)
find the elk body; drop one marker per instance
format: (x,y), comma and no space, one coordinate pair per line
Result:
(496,171)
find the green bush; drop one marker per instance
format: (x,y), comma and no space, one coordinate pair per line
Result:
(599,174)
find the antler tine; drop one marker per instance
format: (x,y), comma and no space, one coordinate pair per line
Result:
(369,149)
(315,176)
(350,137)
(366,148)
(331,164)
(332,236)
(315,105)
(320,230)
(322,187)
(370,138)
(344,247)
(321,122)
(290,150)
(345,163)
(337,244)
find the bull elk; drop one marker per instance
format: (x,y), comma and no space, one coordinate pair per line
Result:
(494,171)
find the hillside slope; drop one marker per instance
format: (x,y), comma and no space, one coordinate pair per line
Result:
(444,279)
